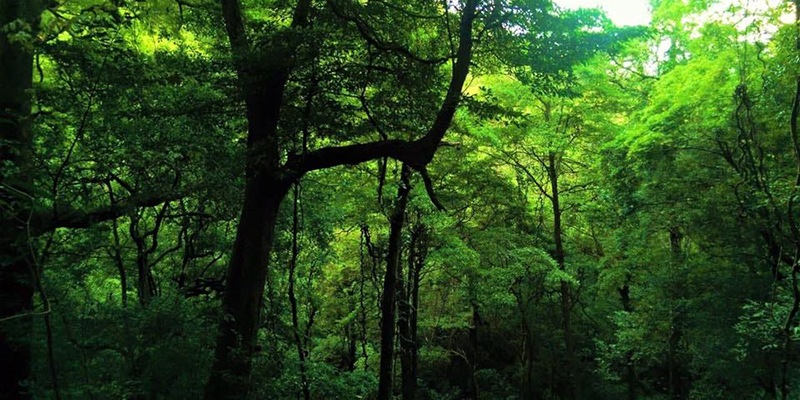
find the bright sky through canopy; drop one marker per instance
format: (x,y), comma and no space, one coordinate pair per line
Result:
(622,12)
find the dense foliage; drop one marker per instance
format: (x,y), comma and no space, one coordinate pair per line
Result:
(340,199)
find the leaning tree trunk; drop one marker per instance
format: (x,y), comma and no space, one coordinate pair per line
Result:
(265,189)
(16,279)
(247,273)
(247,269)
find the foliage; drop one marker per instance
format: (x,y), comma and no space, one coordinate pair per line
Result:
(618,220)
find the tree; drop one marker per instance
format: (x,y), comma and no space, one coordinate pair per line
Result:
(268,181)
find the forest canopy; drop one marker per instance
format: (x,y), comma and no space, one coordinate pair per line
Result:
(383,199)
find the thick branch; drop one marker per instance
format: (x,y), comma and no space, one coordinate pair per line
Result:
(429,188)
(44,221)
(417,154)
(353,154)
(234,24)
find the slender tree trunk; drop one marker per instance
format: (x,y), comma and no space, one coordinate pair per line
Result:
(421,255)
(787,329)
(531,387)
(767,383)
(473,341)
(408,304)
(408,380)
(362,320)
(404,332)
(390,285)
(116,252)
(348,363)
(630,368)
(142,282)
(571,387)
(676,387)
(301,353)
(51,360)
(144,290)
(16,279)
(188,256)
(145,284)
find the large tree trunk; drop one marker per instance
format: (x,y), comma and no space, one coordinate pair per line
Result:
(390,286)
(16,279)
(265,189)
(247,273)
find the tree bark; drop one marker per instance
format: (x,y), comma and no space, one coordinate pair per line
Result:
(404,328)
(301,353)
(264,191)
(475,350)
(247,273)
(676,387)
(420,263)
(396,222)
(571,387)
(145,284)
(530,387)
(406,322)
(16,278)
